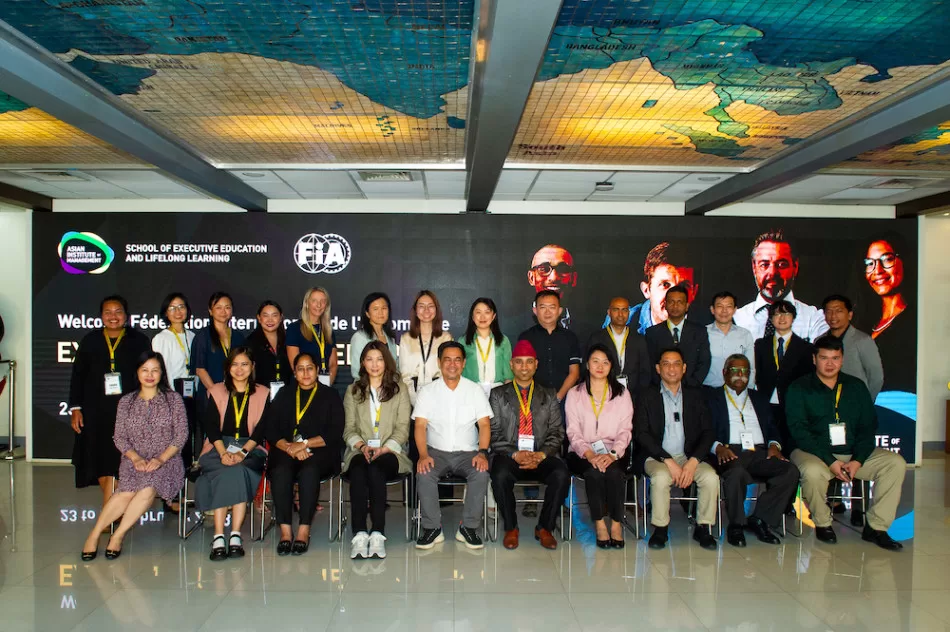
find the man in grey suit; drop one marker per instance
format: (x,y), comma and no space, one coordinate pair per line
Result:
(861,357)
(526,437)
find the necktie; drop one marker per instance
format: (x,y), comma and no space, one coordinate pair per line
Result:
(781,350)
(524,421)
(769,327)
(676,335)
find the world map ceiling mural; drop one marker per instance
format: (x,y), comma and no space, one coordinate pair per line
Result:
(689,83)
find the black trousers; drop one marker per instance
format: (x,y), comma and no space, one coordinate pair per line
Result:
(603,488)
(368,490)
(283,471)
(785,437)
(552,472)
(780,478)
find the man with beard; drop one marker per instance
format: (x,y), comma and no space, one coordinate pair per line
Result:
(775,268)
(552,268)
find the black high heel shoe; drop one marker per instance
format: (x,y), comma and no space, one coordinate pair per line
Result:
(88,557)
(616,544)
(112,554)
(300,547)
(284,547)
(603,544)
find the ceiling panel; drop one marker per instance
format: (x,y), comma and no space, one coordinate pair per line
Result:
(445,185)
(514,184)
(726,84)
(99,184)
(269,81)
(690,185)
(928,150)
(566,185)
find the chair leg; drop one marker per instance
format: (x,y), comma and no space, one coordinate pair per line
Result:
(570,510)
(405,503)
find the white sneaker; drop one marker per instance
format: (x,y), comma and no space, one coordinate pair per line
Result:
(359,546)
(377,545)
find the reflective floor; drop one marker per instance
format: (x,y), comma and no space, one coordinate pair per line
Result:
(162,582)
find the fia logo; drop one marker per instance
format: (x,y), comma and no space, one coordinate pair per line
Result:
(328,253)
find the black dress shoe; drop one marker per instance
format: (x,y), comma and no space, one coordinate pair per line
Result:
(284,547)
(235,549)
(218,553)
(881,539)
(703,534)
(300,546)
(857,518)
(735,536)
(88,557)
(616,544)
(762,531)
(659,538)
(112,554)
(838,508)
(826,534)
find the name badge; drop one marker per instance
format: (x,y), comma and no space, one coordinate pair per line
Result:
(486,386)
(188,387)
(375,444)
(113,384)
(324,379)
(599,448)
(274,389)
(836,432)
(623,380)
(526,443)
(234,448)
(746,439)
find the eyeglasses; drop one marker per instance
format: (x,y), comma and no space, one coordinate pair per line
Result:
(545,269)
(735,370)
(176,308)
(887,260)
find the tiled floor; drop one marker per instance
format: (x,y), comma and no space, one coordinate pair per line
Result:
(161,582)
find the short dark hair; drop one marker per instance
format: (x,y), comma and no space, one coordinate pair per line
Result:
(365,325)
(168,301)
(681,289)
(719,295)
(451,344)
(116,299)
(782,307)
(543,293)
(776,235)
(828,343)
(675,350)
(848,305)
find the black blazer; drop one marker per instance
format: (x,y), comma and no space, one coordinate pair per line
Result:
(636,365)
(719,412)
(694,343)
(796,363)
(649,425)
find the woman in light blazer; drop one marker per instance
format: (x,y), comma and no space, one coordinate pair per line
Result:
(376,407)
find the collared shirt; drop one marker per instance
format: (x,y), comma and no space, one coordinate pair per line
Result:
(452,414)
(676,330)
(723,345)
(643,314)
(176,358)
(784,339)
(809,322)
(557,351)
(619,344)
(674,437)
(742,418)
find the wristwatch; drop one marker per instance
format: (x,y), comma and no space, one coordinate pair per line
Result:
(483,451)
(243,453)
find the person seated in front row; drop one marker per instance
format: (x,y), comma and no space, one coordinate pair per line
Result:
(304,427)
(232,460)
(526,436)
(599,427)
(747,451)
(452,434)
(377,429)
(151,428)
(831,417)
(674,435)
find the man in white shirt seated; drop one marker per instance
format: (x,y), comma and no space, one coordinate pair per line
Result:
(452,434)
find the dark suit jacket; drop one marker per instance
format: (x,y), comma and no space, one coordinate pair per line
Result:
(719,412)
(694,343)
(546,420)
(649,425)
(636,366)
(796,362)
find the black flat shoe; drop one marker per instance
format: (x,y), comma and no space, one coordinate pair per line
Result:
(300,547)
(826,534)
(284,547)
(218,553)
(703,534)
(235,550)
(881,539)
(88,557)
(735,536)
(112,554)
(659,538)
(616,544)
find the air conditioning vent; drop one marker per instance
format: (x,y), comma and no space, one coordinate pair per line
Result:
(56,176)
(385,176)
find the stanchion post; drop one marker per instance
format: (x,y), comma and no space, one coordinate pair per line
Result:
(11,453)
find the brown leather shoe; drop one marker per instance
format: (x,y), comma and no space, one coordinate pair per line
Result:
(546,538)
(511,539)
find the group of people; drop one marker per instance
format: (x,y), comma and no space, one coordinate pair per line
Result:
(675,404)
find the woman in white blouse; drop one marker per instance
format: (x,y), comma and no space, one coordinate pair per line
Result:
(418,348)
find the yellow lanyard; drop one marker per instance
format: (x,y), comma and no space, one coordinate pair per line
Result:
(775,349)
(184,348)
(736,406)
(301,413)
(623,347)
(377,410)
(321,343)
(112,348)
(603,401)
(239,412)
(484,354)
(227,348)
(526,405)
(837,399)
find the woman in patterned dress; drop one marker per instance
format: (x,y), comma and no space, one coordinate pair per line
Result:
(150,430)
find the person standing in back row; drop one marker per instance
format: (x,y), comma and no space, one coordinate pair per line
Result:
(418,366)
(629,357)
(679,333)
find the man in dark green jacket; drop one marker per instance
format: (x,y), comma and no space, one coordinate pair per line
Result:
(831,419)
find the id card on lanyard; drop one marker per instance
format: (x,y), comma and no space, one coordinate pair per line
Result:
(324,374)
(239,411)
(377,407)
(746,439)
(113,379)
(837,431)
(278,383)
(301,412)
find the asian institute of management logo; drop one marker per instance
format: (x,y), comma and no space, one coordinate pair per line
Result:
(328,253)
(84,253)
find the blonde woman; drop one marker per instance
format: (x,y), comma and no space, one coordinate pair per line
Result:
(313,334)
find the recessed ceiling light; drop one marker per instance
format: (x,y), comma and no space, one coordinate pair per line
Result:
(604,186)
(709,178)
(253,174)
(946,214)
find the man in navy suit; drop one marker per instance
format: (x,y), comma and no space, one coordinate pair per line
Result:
(690,338)
(747,451)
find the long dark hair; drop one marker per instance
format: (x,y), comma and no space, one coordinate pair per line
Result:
(215,338)
(616,388)
(163,386)
(415,323)
(228,381)
(258,332)
(390,385)
(365,325)
(471,329)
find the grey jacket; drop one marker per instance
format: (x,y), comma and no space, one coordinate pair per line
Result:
(862,360)
(546,420)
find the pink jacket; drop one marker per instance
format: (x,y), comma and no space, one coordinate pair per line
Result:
(615,427)
(255,405)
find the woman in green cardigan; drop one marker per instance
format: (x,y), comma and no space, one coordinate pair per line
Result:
(487,349)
